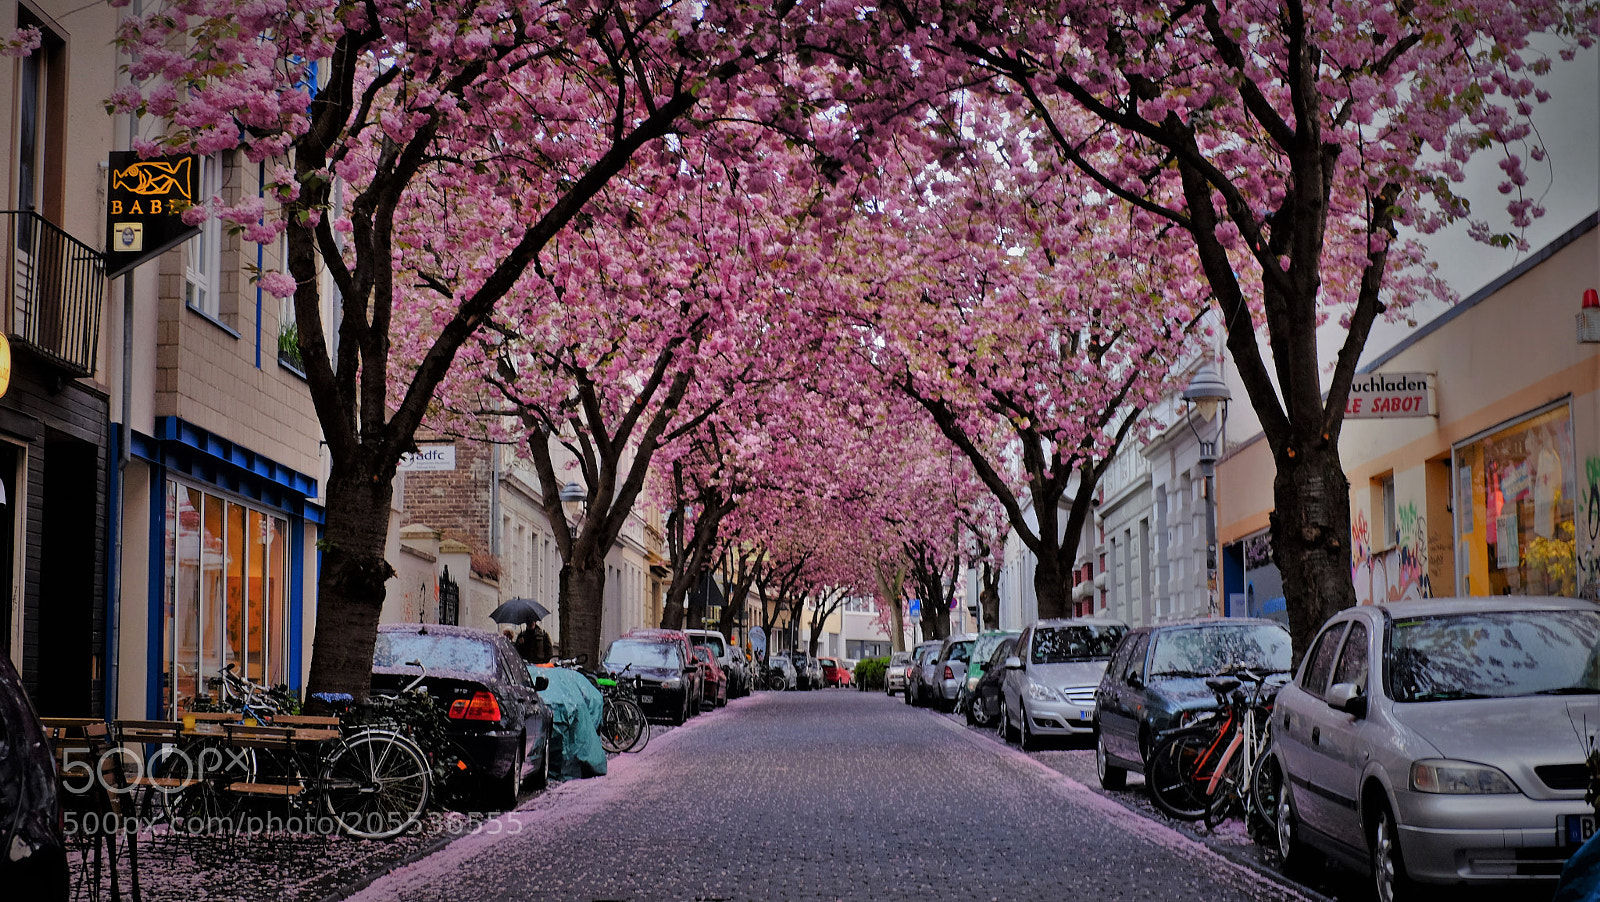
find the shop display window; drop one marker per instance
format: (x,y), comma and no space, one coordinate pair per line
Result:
(1514,491)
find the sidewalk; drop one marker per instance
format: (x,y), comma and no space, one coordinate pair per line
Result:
(265,866)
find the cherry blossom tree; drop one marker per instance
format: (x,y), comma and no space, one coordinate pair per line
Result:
(1287,141)
(426,155)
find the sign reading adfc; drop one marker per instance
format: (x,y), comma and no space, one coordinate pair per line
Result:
(1377,395)
(145,203)
(429,457)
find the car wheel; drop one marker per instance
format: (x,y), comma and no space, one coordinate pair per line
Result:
(1111,776)
(1388,869)
(1293,855)
(1029,741)
(682,714)
(1005,723)
(503,794)
(541,774)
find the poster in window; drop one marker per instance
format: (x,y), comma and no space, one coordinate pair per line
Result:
(1506,551)
(1546,482)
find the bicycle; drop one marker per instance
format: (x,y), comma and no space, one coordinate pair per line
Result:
(623,725)
(370,779)
(1205,771)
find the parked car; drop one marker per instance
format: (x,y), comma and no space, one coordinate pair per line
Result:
(667,690)
(491,702)
(983,702)
(781,666)
(919,675)
(716,681)
(30,802)
(834,673)
(894,677)
(982,649)
(1048,688)
(694,674)
(729,658)
(810,672)
(950,670)
(1443,741)
(1156,680)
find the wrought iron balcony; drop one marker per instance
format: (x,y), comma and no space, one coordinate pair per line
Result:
(55,291)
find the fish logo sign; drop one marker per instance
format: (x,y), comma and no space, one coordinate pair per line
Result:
(166,178)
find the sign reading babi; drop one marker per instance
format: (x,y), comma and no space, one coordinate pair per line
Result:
(145,202)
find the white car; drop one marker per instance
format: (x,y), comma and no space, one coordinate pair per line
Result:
(894,679)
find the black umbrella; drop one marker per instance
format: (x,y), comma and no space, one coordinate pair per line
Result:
(519,610)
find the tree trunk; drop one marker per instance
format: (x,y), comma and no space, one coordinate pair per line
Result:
(582,590)
(1310,530)
(1050,585)
(350,587)
(989,597)
(889,587)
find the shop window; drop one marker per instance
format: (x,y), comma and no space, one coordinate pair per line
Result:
(225,599)
(1386,513)
(1515,530)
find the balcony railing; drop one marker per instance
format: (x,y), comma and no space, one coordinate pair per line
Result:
(55,292)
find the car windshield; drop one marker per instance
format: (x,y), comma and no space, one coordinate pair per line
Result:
(1204,650)
(1079,642)
(1493,654)
(712,642)
(984,646)
(778,660)
(958,653)
(900,657)
(436,652)
(624,652)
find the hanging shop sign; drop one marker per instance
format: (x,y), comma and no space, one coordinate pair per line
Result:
(5,381)
(1380,395)
(145,203)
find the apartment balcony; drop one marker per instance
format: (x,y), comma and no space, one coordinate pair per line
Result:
(55,293)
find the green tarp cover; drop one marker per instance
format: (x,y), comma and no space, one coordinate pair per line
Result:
(575,721)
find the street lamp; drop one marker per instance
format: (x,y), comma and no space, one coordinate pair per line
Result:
(1205,393)
(572,498)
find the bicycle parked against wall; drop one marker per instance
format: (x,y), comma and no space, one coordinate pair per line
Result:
(1209,770)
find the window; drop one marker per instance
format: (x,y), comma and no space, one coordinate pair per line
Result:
(1387,515)
(1319,664)
(203,254)
(1353,660)
(1515,492)
(225,594)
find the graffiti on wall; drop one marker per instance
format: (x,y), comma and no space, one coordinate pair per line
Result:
(1396,573)
(1589,516)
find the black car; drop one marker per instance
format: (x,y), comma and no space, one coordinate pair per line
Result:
(983,704)
(491,703)
(35,863)
(667,688)
(1156,680)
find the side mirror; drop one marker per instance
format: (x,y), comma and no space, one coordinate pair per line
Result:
(984,667)
(540,684)
(1135,681)
(1013,663)
(1347,697)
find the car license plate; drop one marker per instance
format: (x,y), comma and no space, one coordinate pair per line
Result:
(1579,828)
(646,699)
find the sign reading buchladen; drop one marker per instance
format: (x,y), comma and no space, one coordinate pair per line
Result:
(1377,395)
(145,202)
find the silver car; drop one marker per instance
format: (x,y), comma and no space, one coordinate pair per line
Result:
(1443,741)
(894,679)
(950,670)
(1049,685)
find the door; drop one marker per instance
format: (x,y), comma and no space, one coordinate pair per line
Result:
(1013,683)
(1345,743)
(1119,717)
(1306,721)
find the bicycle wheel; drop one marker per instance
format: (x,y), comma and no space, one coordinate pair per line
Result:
(632,724)
(187,786)
(612,737)
(1266,788)
(376,784)
(1177,774)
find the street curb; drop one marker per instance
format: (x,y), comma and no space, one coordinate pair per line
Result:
(358,884)
(1227,853)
